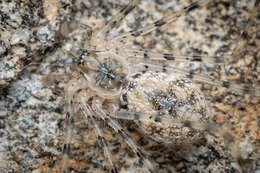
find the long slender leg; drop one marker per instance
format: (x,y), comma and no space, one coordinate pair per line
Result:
(147,54)
(68,139)
(112,23)
(166,68)
(68,133)
(116,19)
(71,88)
(161,22)
(67,143)
(102,114)
(87,111)
(156,117)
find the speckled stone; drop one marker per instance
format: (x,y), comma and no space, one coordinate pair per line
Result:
(32,113)
(26,35)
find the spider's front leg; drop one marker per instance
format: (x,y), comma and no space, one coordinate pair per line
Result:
(71,89)
(98,40)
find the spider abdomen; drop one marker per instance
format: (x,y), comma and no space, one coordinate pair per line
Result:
(166,97)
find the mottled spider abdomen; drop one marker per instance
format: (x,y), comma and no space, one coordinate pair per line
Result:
(166,97)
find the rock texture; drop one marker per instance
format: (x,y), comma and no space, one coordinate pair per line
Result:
(33,43)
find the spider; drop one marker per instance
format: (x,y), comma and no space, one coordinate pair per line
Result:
(110,80)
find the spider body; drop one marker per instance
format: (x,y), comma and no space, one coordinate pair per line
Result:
(166,96)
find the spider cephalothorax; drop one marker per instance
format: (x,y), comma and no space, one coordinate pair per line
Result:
(102,72)
(109,74)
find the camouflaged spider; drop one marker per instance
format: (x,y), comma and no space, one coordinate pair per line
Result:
(110,80)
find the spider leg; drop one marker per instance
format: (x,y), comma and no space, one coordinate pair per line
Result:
(157,117)
(147,54)
(159,23)
(113,124)
(88,112)
(67,143)
(68,137)
(70,89)
(117,18)
(166,68)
